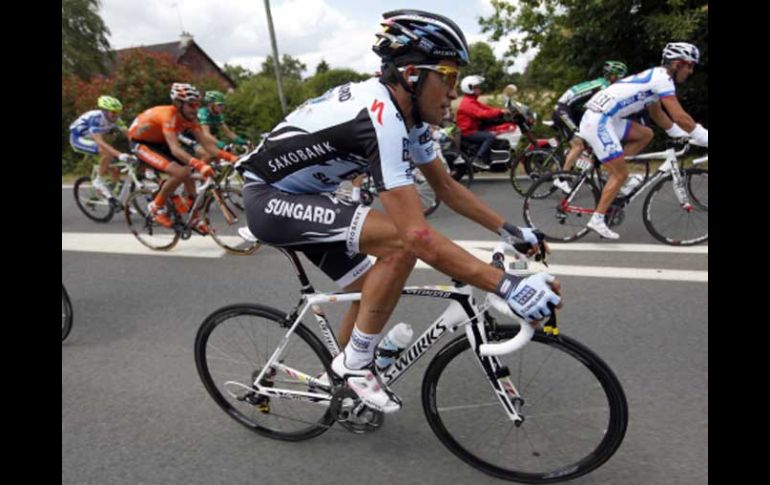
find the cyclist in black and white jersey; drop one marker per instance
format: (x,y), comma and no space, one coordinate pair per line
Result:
(379,126)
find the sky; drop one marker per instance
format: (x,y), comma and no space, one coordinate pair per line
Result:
(341,32)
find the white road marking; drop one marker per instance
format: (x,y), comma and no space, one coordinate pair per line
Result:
(205,247)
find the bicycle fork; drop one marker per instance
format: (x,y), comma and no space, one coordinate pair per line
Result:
(497,374)
(671,165)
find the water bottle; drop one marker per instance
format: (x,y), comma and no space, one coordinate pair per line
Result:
(391,346)
(633,181)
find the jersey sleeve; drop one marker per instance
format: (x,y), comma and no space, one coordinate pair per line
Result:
(385,145)
(421,145)
(664,86)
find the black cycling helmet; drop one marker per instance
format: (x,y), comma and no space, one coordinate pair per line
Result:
(417,37)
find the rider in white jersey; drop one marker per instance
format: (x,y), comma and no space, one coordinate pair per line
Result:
(379,126)
(603,125)
(87,136)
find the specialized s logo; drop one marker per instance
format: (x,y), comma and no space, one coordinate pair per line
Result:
(377,107)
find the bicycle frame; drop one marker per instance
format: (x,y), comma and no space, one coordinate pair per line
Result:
(671,165)
(461,311)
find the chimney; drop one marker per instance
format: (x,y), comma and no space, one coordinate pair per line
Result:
(185,39)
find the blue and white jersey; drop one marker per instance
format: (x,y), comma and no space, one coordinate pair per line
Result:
(633,93)
(349,130)
(93,122)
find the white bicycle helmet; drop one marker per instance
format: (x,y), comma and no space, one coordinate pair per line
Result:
(470,82)
(184,92)
(681,50)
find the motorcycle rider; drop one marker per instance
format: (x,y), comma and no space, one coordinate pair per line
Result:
(471,113)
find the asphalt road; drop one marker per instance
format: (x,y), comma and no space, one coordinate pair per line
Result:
(135,412)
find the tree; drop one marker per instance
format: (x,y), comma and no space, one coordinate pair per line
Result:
(575,37)
(322,67)
(320,83)
(291,68)
(85,47)
(484,63)
(238,73)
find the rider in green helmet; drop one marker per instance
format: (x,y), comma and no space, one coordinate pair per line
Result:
(211,117)
(571,105)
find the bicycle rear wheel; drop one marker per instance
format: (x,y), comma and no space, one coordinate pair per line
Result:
(143,226)
(66,313)
(560,216)
(232,347)
(224,217)
(668,221)
(91,202)
(574,407)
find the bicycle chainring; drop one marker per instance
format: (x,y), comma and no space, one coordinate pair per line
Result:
(348,410)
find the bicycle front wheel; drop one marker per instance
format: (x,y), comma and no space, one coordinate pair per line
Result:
(668,221)
(143,226)
(531,166)
(66,314)
(91,202)
(225,213)
(232,347)
(574,408)
(561,216)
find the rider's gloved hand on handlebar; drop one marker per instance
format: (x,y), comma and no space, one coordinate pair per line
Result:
(529,297)
(511,234)
(677,132)
(202,167)
(700,136)
(124,157)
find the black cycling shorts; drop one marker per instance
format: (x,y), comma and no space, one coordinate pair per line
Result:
(563,120)
(323,227)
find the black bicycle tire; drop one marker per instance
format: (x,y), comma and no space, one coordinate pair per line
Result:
(606,377)
(129,202)
(548,179)
(75,190)
(67,326)
(212,230)
(221,315)
(647,218)
(525,160)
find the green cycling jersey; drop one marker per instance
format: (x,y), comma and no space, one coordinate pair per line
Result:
(579,94)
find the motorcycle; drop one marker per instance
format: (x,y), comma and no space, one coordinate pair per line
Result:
(509,129)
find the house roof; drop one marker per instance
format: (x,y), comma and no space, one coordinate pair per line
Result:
(176,50)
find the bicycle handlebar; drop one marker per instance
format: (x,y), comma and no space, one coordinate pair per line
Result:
(527,331)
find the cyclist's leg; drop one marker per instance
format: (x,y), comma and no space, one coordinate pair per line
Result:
(635,138)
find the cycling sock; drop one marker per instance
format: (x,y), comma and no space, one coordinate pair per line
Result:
(360,349)
(160,201)
(356,194)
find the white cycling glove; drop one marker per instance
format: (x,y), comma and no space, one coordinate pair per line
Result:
(124,157)
(510,234)
(677,132)
(528,297)
(700,136)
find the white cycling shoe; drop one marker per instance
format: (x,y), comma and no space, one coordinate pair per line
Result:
(367,386)
(563,185)
(246,234)
(598,225)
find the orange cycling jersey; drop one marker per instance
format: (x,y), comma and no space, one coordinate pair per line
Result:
(151,124)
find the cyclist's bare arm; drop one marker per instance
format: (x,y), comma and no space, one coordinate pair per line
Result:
(403,206)
(227,131)
(208,142)
(676,113)
(459,198)
(99,139)
(176,149)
